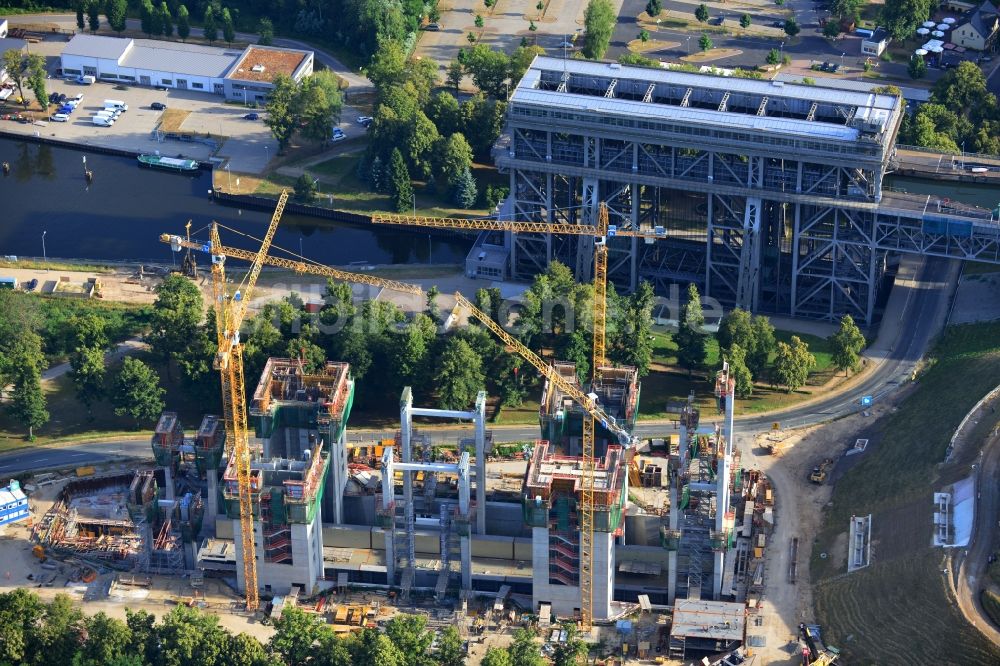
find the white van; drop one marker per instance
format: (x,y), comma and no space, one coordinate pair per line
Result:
(102,122)
(110,115)
(115,103)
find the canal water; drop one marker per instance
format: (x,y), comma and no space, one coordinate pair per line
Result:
(122,213)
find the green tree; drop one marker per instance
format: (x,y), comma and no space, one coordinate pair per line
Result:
(375,649)
(399,181)
(654,7)
(831,29)
(691,351)
(917,69)
(488,68)
(294,634)
(27,405)
(497,657)
(107,639)
(643,36)
(792,27)
(479,21)
(419,144)
(166,21)
(902,17)
(244,650)
(458,375)
(739,372)
(701,13)
(317,105)
(94,15)
(521,59)
(116,13)
(188,636)
(20,614)
(454,74)
(433,310)
(792,364)
(443,110)
(453,159)
(146,12)
(449,651)
(305,188)
(265,32)
(88,375)
(183,22)
(81,22)
(208,25)
(633,344)
(963,89)
(14,65)
(637,59)
(136,391)
(525,651)
(409,633)
(281,105)
(570,652)
(765,343)
(845,8)
(465,191)
(482,122)
(847,343)
(175,319)
(705,42)
(773,57)
(228,28)
(36,79)
(59,636)
(599,23)
(745,21)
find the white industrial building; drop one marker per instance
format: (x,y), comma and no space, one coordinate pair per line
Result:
(237,74)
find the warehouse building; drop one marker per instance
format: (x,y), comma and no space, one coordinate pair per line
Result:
(245,75)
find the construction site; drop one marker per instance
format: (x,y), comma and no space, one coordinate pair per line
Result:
(653,547)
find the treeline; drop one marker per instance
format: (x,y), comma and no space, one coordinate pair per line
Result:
(962,112)
(418,135)
(35,633)
(34,332)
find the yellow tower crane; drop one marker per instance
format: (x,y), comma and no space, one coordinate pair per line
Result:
(230,310)
(601,231)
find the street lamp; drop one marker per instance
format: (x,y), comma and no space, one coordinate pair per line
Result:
(689,45)
(267,155)
(963,155)
(45,259)
(229,176)
(300,246)
(413,197)
(842,60)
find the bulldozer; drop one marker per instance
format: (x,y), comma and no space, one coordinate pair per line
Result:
(818,474)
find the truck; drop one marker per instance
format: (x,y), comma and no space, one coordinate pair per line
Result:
(86,80)
(818,474)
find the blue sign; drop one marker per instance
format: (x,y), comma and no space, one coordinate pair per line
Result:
(612,229)
(866,401)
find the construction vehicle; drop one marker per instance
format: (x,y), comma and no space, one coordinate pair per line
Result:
(39,552)
(818,474)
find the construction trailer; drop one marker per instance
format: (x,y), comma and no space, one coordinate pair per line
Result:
(551,503)
(615,389)
(290,407)
(286,495)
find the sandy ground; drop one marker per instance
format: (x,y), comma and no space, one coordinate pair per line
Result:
(123,285)
(798,513)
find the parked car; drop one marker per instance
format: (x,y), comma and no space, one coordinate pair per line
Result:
(566,45)
(338,134)
(53,98)
(64,111)
(78,97)
(158,106)
(365,120)
(62,98)
(433,27)
(32,283)
(778,24)
(59,117)
(367,123)
(252,116)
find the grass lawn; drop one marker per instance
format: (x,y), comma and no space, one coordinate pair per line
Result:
(339,176)
(666,382)
(897,610)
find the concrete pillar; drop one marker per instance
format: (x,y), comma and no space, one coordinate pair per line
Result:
(212,501)
(465,543)
(388,497)
(481,462)
(604,574)
(722,491)
(168,482)
(539,566)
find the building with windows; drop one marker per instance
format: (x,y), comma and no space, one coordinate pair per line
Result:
(875,44)
(245,75)
(13,504)
(979,29)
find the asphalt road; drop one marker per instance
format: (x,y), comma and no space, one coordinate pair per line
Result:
(896,354)
(972,563)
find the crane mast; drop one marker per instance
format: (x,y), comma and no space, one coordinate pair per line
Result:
(230,310)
